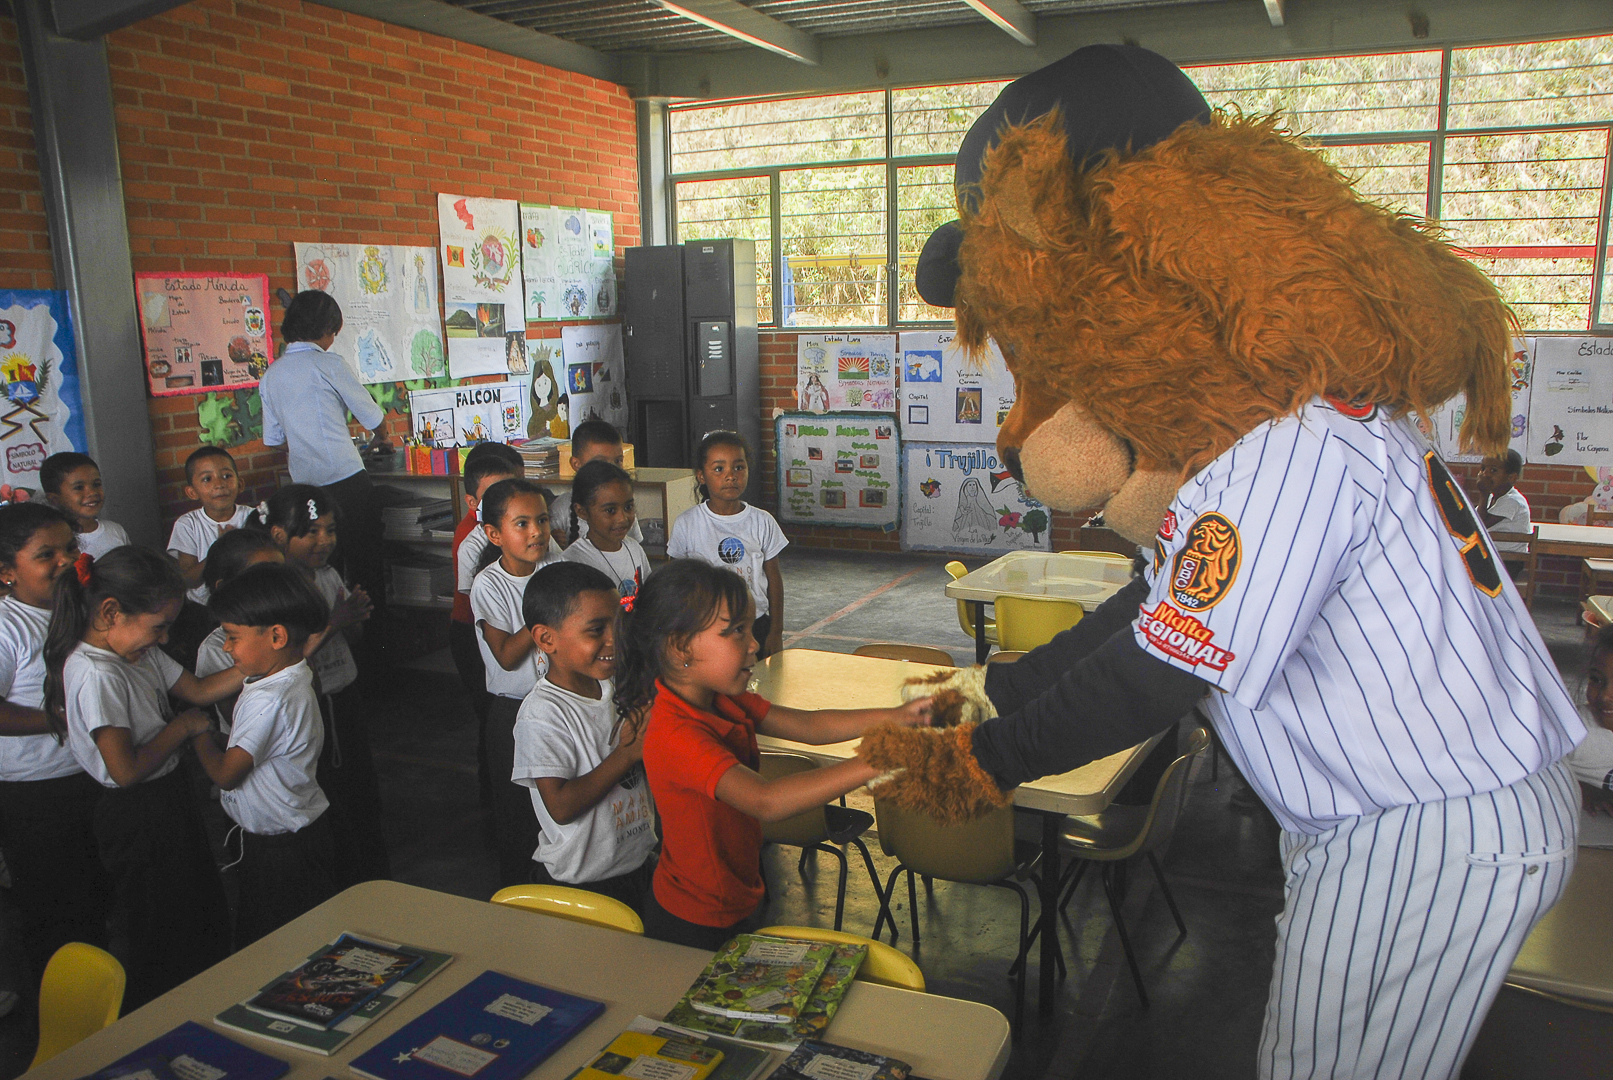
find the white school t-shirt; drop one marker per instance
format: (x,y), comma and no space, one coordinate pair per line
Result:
(210,660)
(558,733)
(627,567)
(741,542)
(107,535)
(277,721)
(22,683)
(495,598)
(470,553)
(1592,763)
(194,534)
(333,661)
(105,690)
(1513,510)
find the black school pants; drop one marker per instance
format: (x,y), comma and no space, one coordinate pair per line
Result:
(153,844)
(286,874)
(57,879)
(472,670)
(348,778)
(662,925)
(515,822)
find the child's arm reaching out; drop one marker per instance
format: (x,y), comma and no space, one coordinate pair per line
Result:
(128,764)
(21,720)
(569,799)
(228,768)
(216,687)
(817,727)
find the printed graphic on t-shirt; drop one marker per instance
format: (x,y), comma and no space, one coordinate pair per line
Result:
(731,550)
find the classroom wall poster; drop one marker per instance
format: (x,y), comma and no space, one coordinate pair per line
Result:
(463,415)
(594,385)
(839,469)
(567,258)
(839,372)
(203,331)
(959,497)
(1571,404)
(41,414)
(947,396)
(482,286)
(391,326)
(1444,424)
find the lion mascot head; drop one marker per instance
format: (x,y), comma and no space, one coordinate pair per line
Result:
(1161,278)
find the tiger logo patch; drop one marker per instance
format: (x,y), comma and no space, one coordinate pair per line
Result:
(1208,563)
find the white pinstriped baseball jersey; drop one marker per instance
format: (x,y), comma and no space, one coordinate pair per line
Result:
(1327,575)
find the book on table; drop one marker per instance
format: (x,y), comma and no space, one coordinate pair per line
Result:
(265,1024)
(192,1052)
(740,1061)
(648,1056)
(814,1060)
(495,1027)
(332,984)
(820,1007)
(765,979)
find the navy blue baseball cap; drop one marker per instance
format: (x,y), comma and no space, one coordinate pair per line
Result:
(1114,97)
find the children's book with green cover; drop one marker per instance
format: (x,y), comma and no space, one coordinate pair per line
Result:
(763,979)
(811,1023)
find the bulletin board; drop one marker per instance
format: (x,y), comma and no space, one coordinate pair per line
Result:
(1571,403)
(391,326)
(959,497)
(41,414)
(481,285)
(845,372)
(945,395)
(203,332)
(463,415)
(839,469)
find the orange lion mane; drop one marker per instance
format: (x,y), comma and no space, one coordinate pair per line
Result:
(1219,279)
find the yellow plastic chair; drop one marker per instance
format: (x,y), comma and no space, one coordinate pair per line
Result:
(822,828)
(577,905)
(885,966)
(1005,656)
(1027,622)
(917,654)
(966,615)
(1111,555)
(1120,832)
(80,994)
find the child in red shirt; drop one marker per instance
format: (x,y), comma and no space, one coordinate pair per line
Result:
(687,654)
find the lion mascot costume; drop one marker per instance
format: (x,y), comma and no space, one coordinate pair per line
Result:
(1222,347)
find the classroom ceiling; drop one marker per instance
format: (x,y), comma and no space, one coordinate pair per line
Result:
(643,26)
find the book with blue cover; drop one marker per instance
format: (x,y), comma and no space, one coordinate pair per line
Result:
(192,1052)
(495,1027)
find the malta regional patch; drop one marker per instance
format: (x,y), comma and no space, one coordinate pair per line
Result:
(1207,564)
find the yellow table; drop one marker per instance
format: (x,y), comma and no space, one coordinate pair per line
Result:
(809,679)
(942,1038)
(1089,579)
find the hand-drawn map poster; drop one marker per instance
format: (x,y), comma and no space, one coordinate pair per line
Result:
(481,286)
(594,386)
(204,331)
(391,328)
(463,415)
(567,259)
(958,497)
(837,372)
(1444,424)
(839,469)
(41,415)
(947,396)
(1571,402)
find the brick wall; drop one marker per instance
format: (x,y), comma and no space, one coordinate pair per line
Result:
(246,125)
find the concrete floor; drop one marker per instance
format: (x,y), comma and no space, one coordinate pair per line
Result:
(1208,989)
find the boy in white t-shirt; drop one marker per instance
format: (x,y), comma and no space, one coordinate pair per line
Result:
(72,483)
(727,531)
(1503,506)
(267,768)
(585,770)
(210,479)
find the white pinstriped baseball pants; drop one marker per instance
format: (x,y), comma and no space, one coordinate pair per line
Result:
(1399,927)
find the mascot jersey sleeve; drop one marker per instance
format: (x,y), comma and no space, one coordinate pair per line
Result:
(1328,577)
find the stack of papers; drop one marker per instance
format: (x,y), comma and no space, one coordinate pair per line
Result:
(542,457)
(421,579)
(416,518)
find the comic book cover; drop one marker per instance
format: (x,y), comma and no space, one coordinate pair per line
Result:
(330,987)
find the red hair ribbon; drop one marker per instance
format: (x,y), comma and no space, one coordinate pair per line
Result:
(81,566)
(627,602)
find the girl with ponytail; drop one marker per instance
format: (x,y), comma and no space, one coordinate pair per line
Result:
(109,685)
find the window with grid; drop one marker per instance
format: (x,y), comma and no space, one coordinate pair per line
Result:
(1516,171)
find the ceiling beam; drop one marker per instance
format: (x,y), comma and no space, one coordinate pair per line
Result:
(1274,11)
(1188,34)
(752,27)
(445,20)
(84,20)
(1011,17)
